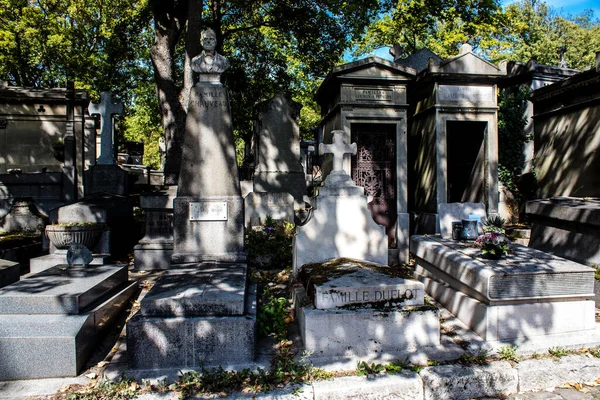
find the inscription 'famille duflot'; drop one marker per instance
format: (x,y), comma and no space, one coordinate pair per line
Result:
(212,99)
(365,296)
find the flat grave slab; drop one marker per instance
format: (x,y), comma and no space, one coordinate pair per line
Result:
(61,289)
(523,298)
(198,290)
(524,274)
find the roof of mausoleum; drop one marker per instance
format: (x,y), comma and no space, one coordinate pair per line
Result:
(14,94)
(465,67)
(519,72)
(372,69)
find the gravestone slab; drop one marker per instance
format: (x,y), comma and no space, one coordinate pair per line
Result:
(61,290)
(278,167)
(280,206)
(352,308)
(10,272)
(56,345)
(525,298)
(203,290)
(341,224)
(455,212)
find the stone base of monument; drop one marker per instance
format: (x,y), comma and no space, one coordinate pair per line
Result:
(202,315)
(42,263)
(154,250)
(349,308)
(525,298)
(50,322)
(10,272)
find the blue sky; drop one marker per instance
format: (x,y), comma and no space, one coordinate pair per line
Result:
(573,7)
(563,7)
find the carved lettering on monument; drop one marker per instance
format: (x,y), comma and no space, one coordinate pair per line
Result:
(373,94)
(339,298)
(208,211)
(472,94)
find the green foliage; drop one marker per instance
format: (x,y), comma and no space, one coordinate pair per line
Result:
(270,246)
(272,316)
(512,137)
(494,224)
(481,358)
(558,351)
(508,353)
(365,369)
(597,271)
(285,369)
(433,363)
(595,352)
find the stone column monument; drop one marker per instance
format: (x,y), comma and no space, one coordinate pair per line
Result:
(201,312)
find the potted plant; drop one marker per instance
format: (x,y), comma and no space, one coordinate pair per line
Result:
(493,245)
(62,235)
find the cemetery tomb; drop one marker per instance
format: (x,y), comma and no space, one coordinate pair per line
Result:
(10,272)
(51,321)
(351,308)
(367,101)
(453,136)
(202,311)
(528,298)
(341,224)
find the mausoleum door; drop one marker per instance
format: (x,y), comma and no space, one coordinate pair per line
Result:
(374,168)
(465,161)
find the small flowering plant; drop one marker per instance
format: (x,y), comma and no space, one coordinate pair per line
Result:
(493,245)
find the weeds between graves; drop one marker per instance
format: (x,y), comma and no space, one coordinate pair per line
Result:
(508,353)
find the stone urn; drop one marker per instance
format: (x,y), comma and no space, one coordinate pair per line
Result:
(61,236)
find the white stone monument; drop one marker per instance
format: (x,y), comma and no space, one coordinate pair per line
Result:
(341,224)
(106,109)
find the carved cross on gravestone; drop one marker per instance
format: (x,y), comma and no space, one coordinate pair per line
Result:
(338,148)
(106,109)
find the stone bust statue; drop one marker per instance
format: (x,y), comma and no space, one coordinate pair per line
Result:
(209,64)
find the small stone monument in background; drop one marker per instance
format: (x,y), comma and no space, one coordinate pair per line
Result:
(106,176)
(341,224)
(277,152)
(201,311)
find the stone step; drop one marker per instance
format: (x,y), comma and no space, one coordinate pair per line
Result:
(361,331)
(61,289)
(48,346)
(198,290)
(39,264)
(200,341)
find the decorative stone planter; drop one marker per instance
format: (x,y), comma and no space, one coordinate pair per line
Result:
(61,236)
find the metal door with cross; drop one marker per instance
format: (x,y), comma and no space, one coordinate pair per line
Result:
(374,168)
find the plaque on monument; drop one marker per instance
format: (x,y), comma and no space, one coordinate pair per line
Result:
(473,94)
(208,211)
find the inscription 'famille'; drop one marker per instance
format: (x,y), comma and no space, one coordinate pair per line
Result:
(212,99)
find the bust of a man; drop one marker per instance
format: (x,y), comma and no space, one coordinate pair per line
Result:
(209,64)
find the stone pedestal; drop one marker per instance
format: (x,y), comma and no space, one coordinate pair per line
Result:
(204,315)
(358,309)
(49,322)
(154,250)
(341,226)
(524,298)
(208,215)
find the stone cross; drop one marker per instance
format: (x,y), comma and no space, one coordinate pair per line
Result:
(338,148)
(106,109)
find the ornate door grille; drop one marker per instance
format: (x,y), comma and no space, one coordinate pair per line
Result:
(373,168)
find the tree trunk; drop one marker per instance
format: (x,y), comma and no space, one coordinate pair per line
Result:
(170,19)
